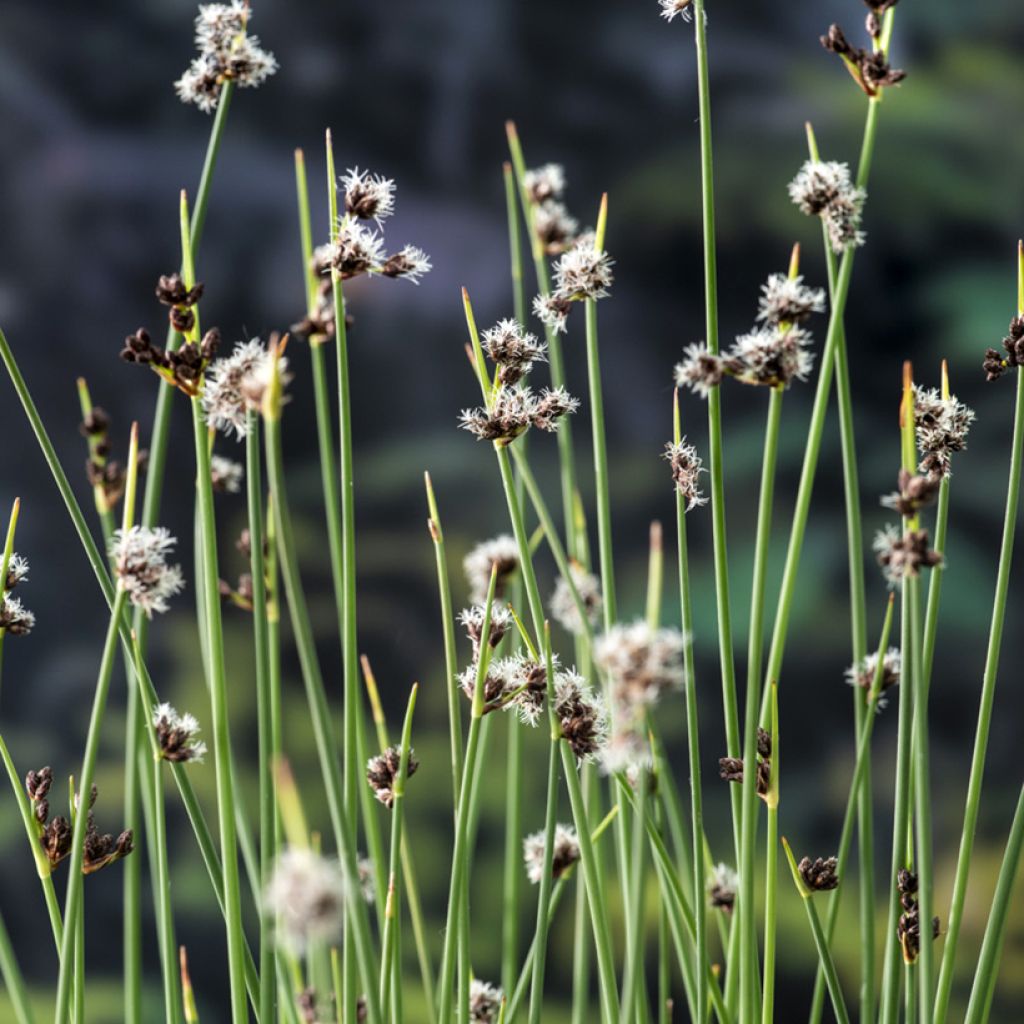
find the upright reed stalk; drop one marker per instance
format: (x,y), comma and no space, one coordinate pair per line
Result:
(988,686)
(700,949)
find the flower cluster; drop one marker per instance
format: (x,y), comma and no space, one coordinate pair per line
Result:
(582,272)
(870,68)
(472,620)
(355,249)
(675,8)
(517,683)
(863,673)
(731,768)
(513,350)
(687,467)
(565,851)
(562,604)
(903,555)
(996,364)
(15,619)
(182,367)
(236,383)
(102,848)
(485,1002)
(501,551)
(54,834)
(382,773)
(773,354)
(306,897)
(640,664)
(225,475)
(512,411)
(226,53)
(941,425)
(176,735)
(582,716)
(908,928)
(912,494)
(723,887)
(553,226)
(140,564)
(824,189)
(106,476)
(819,875)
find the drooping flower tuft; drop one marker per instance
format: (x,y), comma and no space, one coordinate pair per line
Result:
(140,564)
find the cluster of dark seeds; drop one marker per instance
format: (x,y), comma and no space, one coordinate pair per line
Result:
(731,768)
(909,926)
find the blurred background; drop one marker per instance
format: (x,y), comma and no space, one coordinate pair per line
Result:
(98,147)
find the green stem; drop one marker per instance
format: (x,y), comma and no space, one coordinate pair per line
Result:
(857,784)
(316,696)
(73,897)
(13,979)
(771,882)
(220,716)
(693,746)
(264,709)
(835,990)
(566,460)
(988,685)
(390,947)
(540,937)
(991,947)
(746,919)
(733,740)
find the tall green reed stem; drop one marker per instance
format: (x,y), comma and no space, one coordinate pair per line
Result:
(323,729)
(988,685)
(840,294)
(213,635)
(700,949)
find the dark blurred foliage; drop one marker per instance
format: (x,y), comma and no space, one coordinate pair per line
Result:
(96,149)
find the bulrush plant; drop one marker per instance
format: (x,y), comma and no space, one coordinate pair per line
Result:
(313,910)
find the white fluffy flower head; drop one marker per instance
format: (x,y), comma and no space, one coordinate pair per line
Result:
(565,852)
(140,563)
(176,735)
(368,196)
(306,896)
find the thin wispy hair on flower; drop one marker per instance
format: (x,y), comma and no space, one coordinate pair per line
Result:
(17,571)
(770,356)
(140,556)
(514,410)
(582,716)
(514,349)
(226,474)
(902,555)
(862,674)
(584,272)
(700,369)
(722,887)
